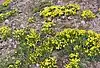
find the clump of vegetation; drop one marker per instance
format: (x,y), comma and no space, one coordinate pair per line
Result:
(73,6)
(79,44)
(88,14)
(47,28)
(6,2)
(5,32)
(6,15)
(74,38)
(40,53)
(50,62)
(19,34)
(6,11)
(74,61)
(71,9)
(72,41)
(32,38)
(3,8)
(68,10)
(16,65)
(54,11)
(31,19)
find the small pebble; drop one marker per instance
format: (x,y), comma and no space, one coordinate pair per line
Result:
(70,18)
(83,22)
(22,26)
(6,21)
(37,65)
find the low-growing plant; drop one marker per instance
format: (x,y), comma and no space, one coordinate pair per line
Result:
(5,32)
(4,16)
(16,65)
(19,34)
(28,39)
(50,62)
(74,61)
(6,2)
(79,44)
(32,38)
(75,7)
(47,28)
(88,14)
(3,9)
(71,9)
(31,20)
(54,11)
(40,53)
(73,40)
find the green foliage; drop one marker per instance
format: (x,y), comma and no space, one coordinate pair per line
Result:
(71,9)
(6,11)
(79,44)
(4,16)
(3,8)
(32,38)
(6,2)
(74,61)
(88,14)
(75,7)
(54,11)
(32,49)
(50,62)
(40,53)
(5,32)
(28,39)
(19,34)
(47,28)
(31,20)
(91,44)
(85,43)
(16,65)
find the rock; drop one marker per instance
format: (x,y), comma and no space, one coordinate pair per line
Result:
(60,2)
(83,22)
(22,26)
(70,18)
(63,17)
(6,21)
(10,40)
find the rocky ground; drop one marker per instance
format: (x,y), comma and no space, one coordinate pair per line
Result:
(26,8)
